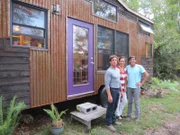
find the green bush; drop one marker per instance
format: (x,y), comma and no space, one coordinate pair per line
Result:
(9,122)
(165,63)
(159,84)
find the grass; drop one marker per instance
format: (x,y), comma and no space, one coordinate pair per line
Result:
(154,111)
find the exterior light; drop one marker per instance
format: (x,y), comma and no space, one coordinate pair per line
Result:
(56,9)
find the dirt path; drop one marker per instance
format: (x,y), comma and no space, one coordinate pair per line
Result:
(171,127)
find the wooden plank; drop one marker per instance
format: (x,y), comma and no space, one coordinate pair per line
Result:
(1,43)
(15,67)
(14,54)
(19,94)
(14,88)
(21,99)
(13,81)
(10,74)
(12,60)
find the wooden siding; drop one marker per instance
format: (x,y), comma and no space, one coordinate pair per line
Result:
(14,73)
(48,67)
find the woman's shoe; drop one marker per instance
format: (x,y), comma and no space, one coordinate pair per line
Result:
(120,117)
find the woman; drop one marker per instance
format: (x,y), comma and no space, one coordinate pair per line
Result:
(123,97)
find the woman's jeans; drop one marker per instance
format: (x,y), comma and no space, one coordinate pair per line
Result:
(110,113)
(121,105)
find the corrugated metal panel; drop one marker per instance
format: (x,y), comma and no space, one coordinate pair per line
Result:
(40,78)
(99,81)
(51,70)
(1,9)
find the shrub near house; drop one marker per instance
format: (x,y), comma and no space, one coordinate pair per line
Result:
(9,121)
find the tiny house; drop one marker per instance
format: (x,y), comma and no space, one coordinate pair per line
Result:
(52,51)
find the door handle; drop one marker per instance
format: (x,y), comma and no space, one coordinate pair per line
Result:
(92,63)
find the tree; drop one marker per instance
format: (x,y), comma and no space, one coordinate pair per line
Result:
(166,17)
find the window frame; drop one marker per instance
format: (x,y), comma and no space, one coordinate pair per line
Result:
(45,29)
(147,50)
(93,5)
(113,47)
(141,31)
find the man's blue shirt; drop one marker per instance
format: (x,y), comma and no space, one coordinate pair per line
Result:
(134,75)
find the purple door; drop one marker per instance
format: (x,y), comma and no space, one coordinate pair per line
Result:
(80,58)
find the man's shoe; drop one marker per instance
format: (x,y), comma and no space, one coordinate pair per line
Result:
(137,119)
(128,118)
(111,128)
(117,123)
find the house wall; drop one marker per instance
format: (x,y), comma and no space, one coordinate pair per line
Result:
(14,73)
(48,67)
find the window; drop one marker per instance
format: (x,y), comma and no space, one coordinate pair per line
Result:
(149,50)
(105,47)
(122,45)
(105,10)
(145,29)
(110,42)
(29,26)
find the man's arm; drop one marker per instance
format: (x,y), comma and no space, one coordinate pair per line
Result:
(146,75)
(110,99)
(107,79)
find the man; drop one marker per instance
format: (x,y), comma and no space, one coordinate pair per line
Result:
(112,85)
(135,72)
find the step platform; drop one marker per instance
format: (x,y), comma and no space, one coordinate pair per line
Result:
(87,118)
(86,107)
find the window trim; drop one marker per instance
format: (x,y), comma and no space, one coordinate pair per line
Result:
(45,29)
(104,17)
(141,30)
(114,43)
(147,50)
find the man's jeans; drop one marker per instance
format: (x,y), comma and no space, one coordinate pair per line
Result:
(133,93)
(110,113)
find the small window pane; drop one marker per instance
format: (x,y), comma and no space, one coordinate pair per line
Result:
(28,31)
(21,40)
(105,10)
(105,47)
(121,46)
(80,55)
(105,38)
(150,50)
(28,16)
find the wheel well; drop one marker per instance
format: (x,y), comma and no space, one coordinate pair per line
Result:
(100,88)
(102,96)
(99,94)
